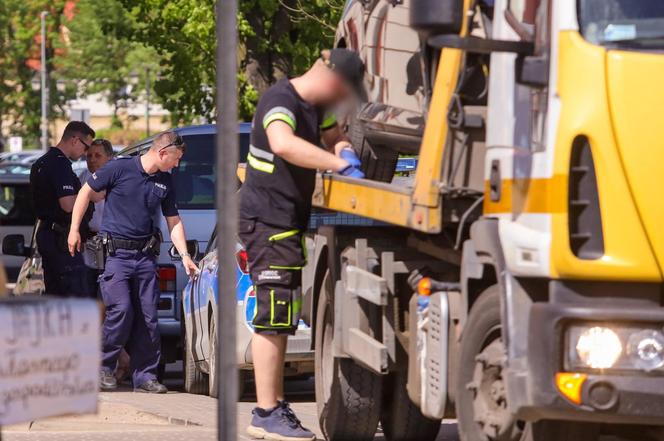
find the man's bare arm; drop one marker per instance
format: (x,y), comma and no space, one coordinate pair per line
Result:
(334,137)
(179,239)
(80,207)
(285,144)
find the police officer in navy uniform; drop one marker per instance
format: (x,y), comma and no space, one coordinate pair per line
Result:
(291,122)
(136,188)
(54,187)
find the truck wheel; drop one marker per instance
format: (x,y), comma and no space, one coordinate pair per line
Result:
(401,419)
(481,400)
(195,381)
(378,162)
(348,396)
(214,378)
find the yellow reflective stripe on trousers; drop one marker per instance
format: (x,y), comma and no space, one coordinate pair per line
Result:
(260,165)
(284,235)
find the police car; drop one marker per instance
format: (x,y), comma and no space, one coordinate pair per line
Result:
(199,304)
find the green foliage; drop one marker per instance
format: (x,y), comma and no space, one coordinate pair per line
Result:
(110,44)
(20,106)
(98,57)
(277,38)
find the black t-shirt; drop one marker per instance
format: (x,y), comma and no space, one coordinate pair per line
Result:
(51,178)
(277,192)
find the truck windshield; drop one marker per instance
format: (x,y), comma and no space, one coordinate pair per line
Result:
(624,23)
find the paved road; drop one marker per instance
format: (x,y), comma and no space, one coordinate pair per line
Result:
(126,416)
(176,416)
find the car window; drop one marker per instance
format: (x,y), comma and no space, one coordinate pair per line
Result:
(195,178)
(15,205)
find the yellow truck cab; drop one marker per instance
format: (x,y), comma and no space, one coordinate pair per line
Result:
(517,285)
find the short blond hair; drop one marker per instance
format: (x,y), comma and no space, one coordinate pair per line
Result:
(167,139)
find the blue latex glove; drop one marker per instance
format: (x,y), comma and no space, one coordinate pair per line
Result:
(350,156)
(351,171)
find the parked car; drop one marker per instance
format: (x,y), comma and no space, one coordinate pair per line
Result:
(17,217)
(25,155)
(199,309)
(195,181)
(14,168)
(392,121)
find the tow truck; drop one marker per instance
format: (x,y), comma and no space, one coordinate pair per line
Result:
(518,284)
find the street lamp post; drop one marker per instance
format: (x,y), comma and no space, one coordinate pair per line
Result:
(227,216)
(44,87)
(147,101)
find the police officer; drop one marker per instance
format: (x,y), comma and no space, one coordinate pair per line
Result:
(291,120)
(136,188)
(54,187)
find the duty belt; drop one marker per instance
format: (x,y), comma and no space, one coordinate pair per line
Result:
(129,244)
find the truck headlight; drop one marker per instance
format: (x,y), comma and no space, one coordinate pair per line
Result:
(620,347)
(598,347)
(646,349)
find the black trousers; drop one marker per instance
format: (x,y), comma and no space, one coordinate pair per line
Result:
(276,257)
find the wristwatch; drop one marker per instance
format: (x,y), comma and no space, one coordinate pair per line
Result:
(185,255)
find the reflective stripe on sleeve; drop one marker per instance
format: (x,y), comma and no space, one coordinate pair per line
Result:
(279,114)
(259,153)
(260,165)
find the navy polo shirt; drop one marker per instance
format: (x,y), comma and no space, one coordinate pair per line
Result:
(133,198)
(52,178)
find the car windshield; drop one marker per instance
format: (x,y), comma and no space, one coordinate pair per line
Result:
(15,205)
(14,169)
(196,176)
(637,23)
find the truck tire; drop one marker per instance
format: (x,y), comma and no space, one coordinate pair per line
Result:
(401,419)
(481,401)
(195,381)
(378,162)
(348,396)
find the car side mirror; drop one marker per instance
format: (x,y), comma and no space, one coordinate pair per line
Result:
(14,245)
(192,249)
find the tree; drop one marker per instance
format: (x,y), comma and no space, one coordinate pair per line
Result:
(97,57)
(19,54)
(277,37)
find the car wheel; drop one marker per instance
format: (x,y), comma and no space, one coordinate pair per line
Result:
(348,396)
(213,381)
(195,381)
(378,162)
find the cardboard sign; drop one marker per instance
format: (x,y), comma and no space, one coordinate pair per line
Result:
(49,357)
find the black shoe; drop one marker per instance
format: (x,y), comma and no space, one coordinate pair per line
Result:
(107,380)
(151,387)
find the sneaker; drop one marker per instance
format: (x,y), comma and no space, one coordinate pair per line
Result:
(151,387)
(278,424)
(107,380)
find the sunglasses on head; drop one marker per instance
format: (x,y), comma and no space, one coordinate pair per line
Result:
(177,142)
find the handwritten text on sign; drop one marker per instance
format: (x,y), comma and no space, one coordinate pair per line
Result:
(49,357)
